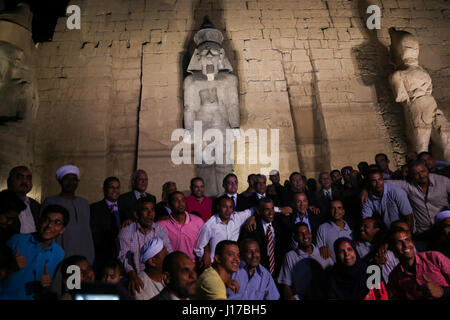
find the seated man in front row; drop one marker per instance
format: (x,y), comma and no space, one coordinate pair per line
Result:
(212,283)
(134,236)
(37,255)
(303,269)
(179,276)
(255,282)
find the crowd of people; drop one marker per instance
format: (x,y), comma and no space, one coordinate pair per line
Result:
(365,234)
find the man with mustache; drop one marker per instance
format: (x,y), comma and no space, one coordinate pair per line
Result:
(255,282)
(179,277)
(134,236)
(20,181)
(77,239)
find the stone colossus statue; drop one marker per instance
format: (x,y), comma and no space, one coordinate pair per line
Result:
(211,96)
(412,87)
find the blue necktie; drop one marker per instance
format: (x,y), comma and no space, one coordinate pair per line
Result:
(234,203)
(114,209)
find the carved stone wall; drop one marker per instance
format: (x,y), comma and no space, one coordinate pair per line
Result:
(110,93)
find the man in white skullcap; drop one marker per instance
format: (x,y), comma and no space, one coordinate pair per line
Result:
(152,254)
(77,239)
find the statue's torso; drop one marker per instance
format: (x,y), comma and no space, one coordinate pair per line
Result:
(417,82)
(211,98)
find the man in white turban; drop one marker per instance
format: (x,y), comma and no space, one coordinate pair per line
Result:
(152,254)
(77,240)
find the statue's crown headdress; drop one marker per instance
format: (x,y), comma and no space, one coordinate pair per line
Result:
(208,33)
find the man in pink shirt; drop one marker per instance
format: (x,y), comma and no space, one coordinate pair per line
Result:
(197,202)
(419,275)
(182,227)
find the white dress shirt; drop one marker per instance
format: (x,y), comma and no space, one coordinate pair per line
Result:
(27,224)
(214,230)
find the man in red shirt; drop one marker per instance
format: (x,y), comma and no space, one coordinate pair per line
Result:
(197,202)
(419,275)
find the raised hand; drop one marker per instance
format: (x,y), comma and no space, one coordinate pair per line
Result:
(325,252)
(46,280)
(126,223)
(135,284)
(250,224)
(233,285)
(431,289)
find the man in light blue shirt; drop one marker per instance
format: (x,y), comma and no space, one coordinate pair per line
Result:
(255,282)
(387,201)
(37,255)
(332,230)
(302,270)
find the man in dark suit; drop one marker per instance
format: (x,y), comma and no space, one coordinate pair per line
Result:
(162,209)
(230,185)
(276,189)
(327,193)
(261,189)
(127,201)
(297,184)
(179,276)
(20,181)
(268,226)
(301,213)
(105,220)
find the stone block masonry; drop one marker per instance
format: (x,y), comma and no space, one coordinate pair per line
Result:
(111,93)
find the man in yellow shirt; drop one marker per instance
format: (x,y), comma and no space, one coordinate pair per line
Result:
(212,283)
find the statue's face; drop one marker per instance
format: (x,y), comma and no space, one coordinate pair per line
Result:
(15,81)
(210,56)
(404,51)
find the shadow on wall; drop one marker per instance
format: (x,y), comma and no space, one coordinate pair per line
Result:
(372,60)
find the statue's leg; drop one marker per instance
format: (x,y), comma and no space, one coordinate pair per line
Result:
(221,170)
(418,126)
(207,172)
(420,139)
(441,134)
(226,167)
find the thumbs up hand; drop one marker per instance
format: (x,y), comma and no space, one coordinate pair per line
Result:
(46,281)
(21,260)
(431,289)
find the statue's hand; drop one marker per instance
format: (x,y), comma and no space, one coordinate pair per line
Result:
(188,136)
(236,133)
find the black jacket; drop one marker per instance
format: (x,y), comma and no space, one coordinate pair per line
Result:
(242,203)
(288,224)
(280,242)
(127,203)
(324,203)
(104,232)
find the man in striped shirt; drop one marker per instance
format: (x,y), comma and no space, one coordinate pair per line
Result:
(134,236)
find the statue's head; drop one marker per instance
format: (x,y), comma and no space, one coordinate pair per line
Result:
(16,62)
(209,56)
(404,48)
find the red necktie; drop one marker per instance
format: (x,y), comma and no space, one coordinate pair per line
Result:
(271,249)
